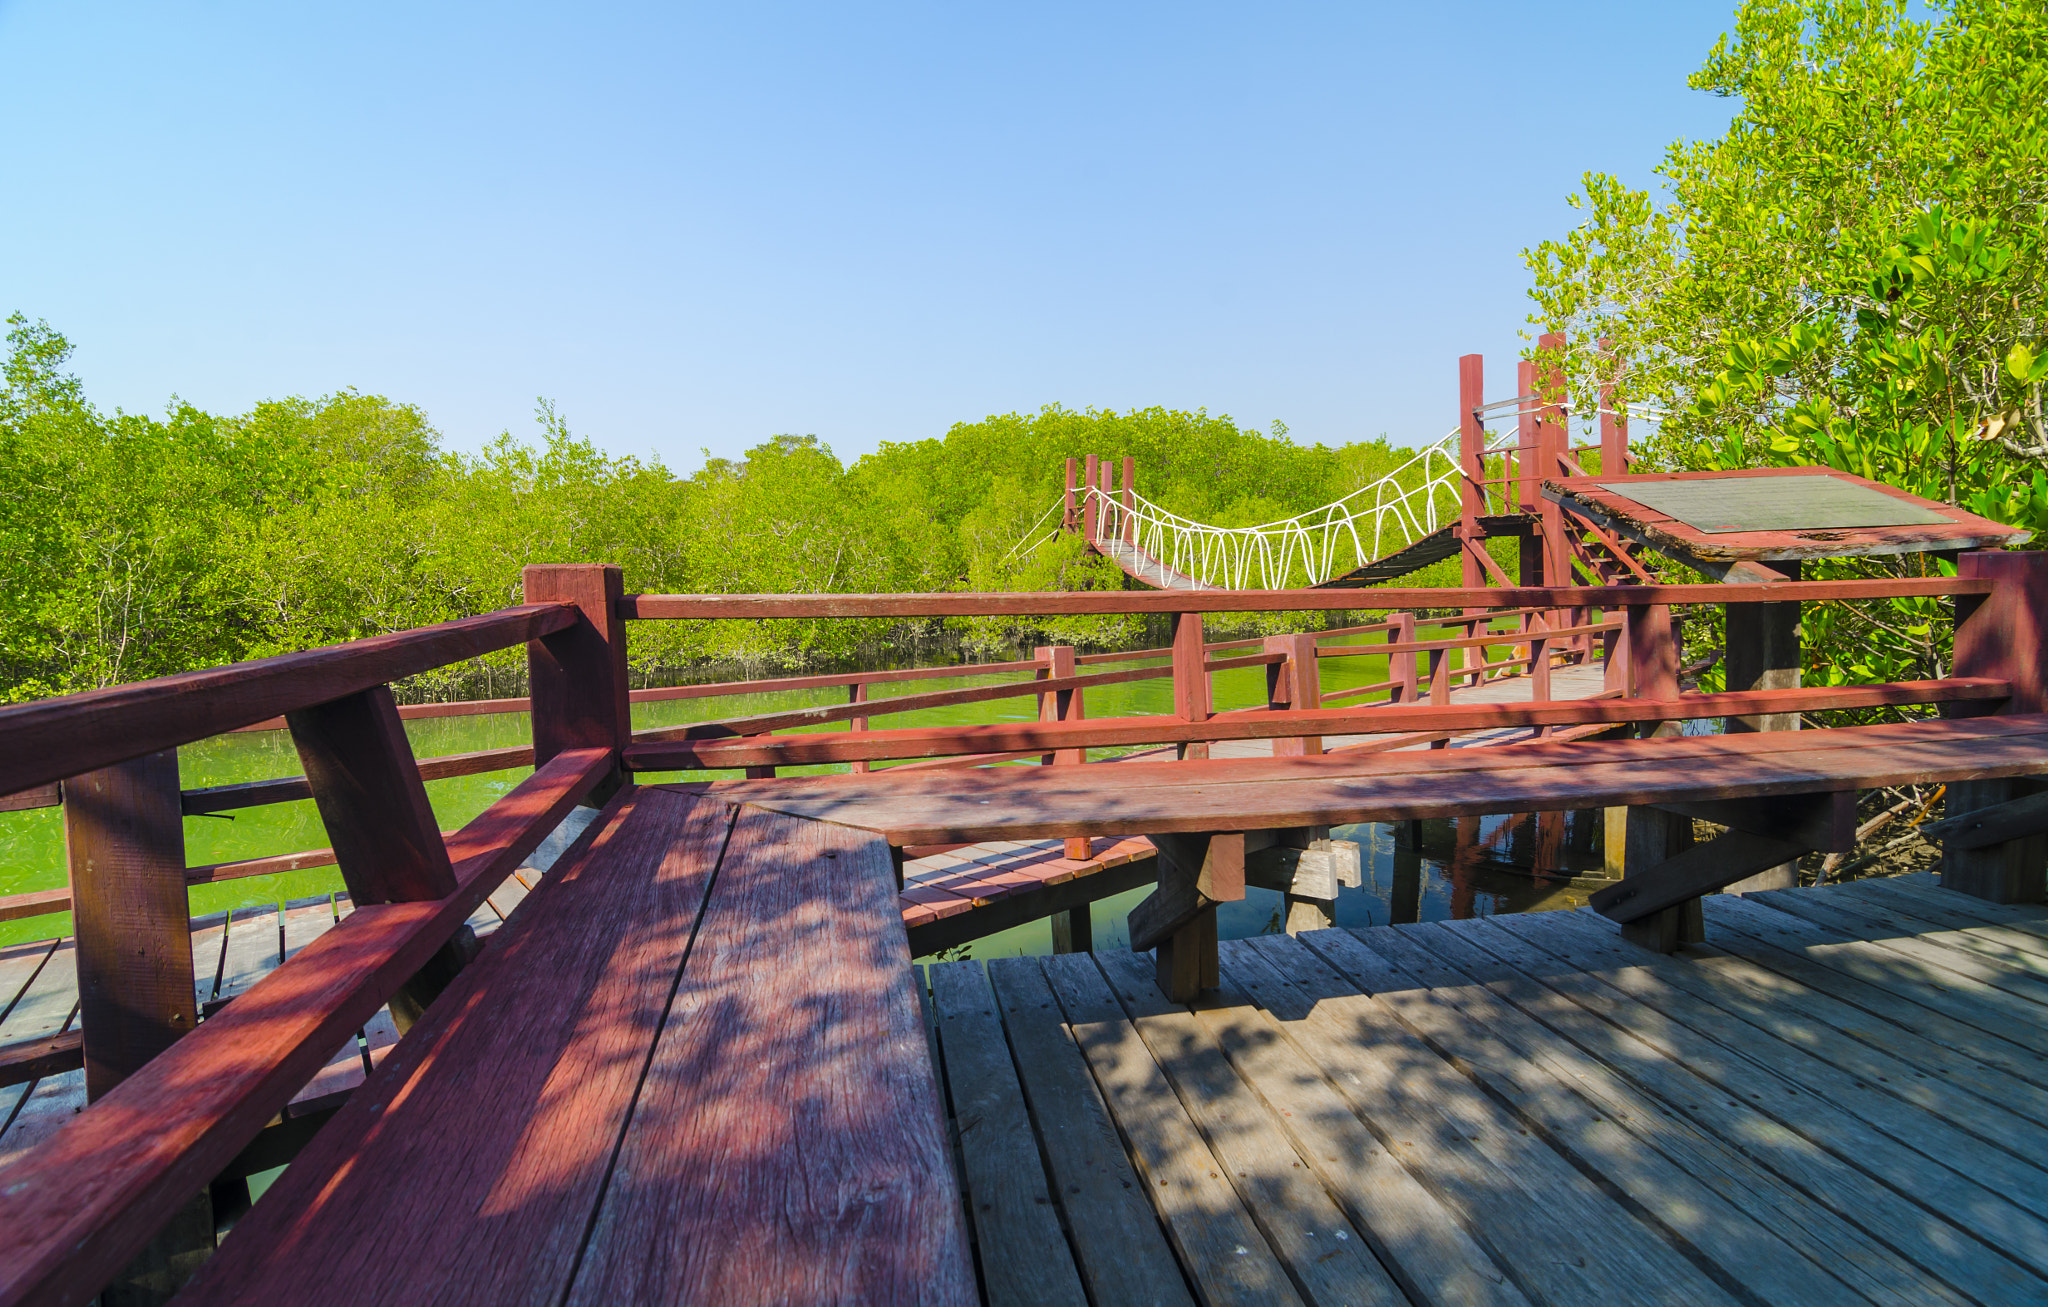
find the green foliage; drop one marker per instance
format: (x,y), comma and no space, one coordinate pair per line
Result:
(134,546)
(1855,275)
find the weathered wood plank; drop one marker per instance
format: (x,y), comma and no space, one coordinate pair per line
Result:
(1419,1241)
(1520,1200)
(1326,1256)
(19,964)
(788,1143)
(2024,949)
(1117,1239)
(1217,1241)
(1784,945)
(1871,924)
(1846,1070)
(1698,870)
(1887,1170)
(516,1133)
(1024,1257)
(1722,1202)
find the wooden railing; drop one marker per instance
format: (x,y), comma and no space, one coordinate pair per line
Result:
(173,1105)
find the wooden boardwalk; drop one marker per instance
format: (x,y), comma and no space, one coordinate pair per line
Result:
(1841,1098)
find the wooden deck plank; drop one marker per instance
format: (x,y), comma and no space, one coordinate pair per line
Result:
(1971,1134)
(1216,1240)
(1118,1243)
(209,941)
(1533,1063)
(1934,989)
(2028,918)
(1632,1040)
(1525,1204)
(1865,1013)
(516,1130)
(1420,1241)
(1968,969)
(1917,1152)
(19,964)
(1331,1263)
(1934,920)
(1024,1257)
(788,1143)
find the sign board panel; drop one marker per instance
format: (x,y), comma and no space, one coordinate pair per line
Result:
(1812,502)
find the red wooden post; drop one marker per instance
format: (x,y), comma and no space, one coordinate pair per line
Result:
(578,675)
(124,842)
(1296,683)
(1089,508)
(1528,452)
(1553,437)
(858,693)
(1613,426)
(1402,666)
(1190,678)
(387,845)
(1130,505)
(1057,661)
(1471,461)
(1068,518)
(2002,635)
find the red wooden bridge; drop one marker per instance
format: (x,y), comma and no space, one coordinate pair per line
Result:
(695,1063)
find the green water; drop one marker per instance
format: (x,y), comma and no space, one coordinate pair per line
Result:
(32,843)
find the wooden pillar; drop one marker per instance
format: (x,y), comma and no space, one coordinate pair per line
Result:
(1763,654)
(1471,462)
(1130,501)
(1072,932)
(1296,684)
(1089,507)
(1653,836)
(1401,666)
(858,693)
(1196,872)
(2003,634)
(1404,899)
(1062,706)
(387,845)
(1190,678)
(1068,518)
(1551,438)
(1613,426)
(1647,669)
(577,676)
(124,845)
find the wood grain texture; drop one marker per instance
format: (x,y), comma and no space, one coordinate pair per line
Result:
(788,1144)
(588,979)
(1701,869)
(54,738)
(1327,1258)
(1028,604)
(367,788)
(1977,828)
(124,845)
(1887,1167)
(1040,803)
(649,753)
(1216,1239)
(1117,1239)
(1024,1257)
(1760,1232)
(577,676)
(75,1209)
(1519,1199)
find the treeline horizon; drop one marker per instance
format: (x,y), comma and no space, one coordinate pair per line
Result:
(134,546)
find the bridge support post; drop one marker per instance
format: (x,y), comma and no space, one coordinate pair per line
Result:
(1090,508)
(1642,663)
(1063,706)
(1190,678)
(1763,653)
(1471,464)
(1295,683)
(2002,634)
(124,841)
(1401,666)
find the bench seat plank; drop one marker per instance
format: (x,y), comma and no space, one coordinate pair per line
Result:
(1033,803)
(789,1144)
(466,1168)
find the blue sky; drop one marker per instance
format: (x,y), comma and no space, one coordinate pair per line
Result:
(693,227)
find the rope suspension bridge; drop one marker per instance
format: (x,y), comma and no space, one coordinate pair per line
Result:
(1476,482)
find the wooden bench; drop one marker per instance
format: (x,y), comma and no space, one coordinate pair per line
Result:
(1780,795)
(691,1067)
